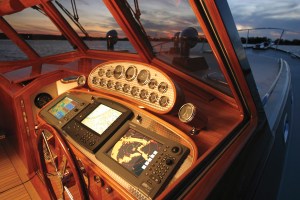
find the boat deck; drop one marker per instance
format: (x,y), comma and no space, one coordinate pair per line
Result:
(14,182)
(290,182)
(290,177)
(265,70)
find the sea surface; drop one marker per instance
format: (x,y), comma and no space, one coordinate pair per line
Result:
(9,51)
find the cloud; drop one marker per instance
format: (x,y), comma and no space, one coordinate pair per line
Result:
(283,14)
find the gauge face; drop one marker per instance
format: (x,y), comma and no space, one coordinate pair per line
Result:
(95,80)
(101,72)
(118,86)
(164,101)
(134,91)
(109,73)
(119,71)
(143,77)
(153,97)
(81,80)
(130,73)
(126,88)
(152,84)
(110,84)
(144,94)
(187,112)
(163,87)
(103,82)
(42,99)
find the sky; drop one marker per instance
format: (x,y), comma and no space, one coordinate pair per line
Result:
(166,17)
(269,13)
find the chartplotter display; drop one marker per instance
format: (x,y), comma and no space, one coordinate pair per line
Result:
(135,151)
(63,107)
(101,118)
(145,160)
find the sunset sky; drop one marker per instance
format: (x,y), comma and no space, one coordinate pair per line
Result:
(165,17)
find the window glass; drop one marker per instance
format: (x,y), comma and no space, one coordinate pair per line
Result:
(263,32)
(9,51)
(94,23)
(178,39)
(39,32)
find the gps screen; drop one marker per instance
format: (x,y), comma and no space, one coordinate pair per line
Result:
(101,118)
(134,151)
(63,107)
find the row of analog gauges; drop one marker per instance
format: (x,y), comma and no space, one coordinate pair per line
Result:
(143,78)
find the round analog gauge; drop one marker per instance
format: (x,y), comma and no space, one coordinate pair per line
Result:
(152,84)
(144,94)
(119,71)
(42,99)
(153,97)
(126,88)
(134,91)
(95,80)
(143,77)
(101,72)
(187,112)
(118,86)
(163,87)
(110,84)
(130,73)
(102,82)
(164,101)
(109,73)
(81,80)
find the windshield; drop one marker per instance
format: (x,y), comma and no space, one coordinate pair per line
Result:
(94,24)
(178,39)
(37,30)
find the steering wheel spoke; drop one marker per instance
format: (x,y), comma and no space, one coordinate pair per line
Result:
(59,167)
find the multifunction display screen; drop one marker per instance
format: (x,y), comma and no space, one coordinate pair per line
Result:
(101,118)
(63,107)
(134,151)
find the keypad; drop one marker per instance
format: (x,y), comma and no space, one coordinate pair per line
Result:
(81,135)
(159,169)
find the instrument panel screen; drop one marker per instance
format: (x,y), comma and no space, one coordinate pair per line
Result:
(63,107)
(101,118)
(134,151)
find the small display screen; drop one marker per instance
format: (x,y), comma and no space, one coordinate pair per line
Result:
(63,107)
(134,151)
(101,118)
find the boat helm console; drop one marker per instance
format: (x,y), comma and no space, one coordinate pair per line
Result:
(138,158)
(143,158)
(89,124)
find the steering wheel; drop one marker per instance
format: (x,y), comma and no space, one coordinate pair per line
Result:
(60,170)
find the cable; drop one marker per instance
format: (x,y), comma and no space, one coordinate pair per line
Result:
(19,184)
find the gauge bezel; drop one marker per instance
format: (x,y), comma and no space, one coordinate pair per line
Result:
(164,104)
(37,99)
(191,115)
(118,76)
(134,73)
(143,81)
(163,90)
(152,83)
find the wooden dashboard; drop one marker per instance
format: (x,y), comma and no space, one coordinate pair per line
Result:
(109,177)
(217,118)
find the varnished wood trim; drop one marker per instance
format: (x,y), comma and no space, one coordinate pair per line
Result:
(14,36)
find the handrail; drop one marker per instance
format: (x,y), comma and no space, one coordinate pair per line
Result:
(280,39)
(263,28)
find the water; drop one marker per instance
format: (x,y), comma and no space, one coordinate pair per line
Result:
(10,52)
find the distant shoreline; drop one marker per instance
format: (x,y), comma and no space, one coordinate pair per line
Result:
(251,40)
